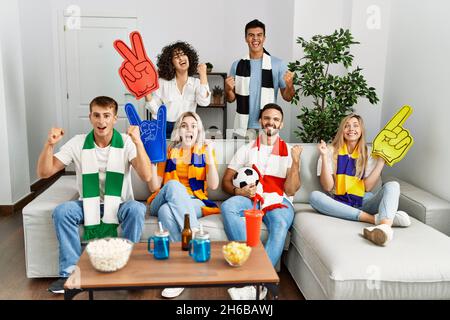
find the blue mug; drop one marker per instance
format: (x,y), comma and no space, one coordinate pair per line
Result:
(200,247)
(161,242)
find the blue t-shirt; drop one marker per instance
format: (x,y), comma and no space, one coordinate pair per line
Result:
(279,68)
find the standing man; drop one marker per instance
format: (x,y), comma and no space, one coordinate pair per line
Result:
(255,79)
(279,170)
(102,161)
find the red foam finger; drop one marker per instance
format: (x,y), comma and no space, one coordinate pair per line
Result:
(138,46)
(127,75)
(143,66)
(125,52)
(132,69)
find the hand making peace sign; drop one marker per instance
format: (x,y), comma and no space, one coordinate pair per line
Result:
(137,71)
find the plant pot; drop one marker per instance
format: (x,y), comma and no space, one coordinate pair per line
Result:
(217,99)
(208,70)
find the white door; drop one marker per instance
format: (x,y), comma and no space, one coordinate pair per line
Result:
(91,70)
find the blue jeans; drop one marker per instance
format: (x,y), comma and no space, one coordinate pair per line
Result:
(170,205)
(277,221)
(384,202)
(69,215)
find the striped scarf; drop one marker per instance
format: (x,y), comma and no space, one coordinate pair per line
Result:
(270,190)
(196,176)
(349,188)
(243,72)
(94,227)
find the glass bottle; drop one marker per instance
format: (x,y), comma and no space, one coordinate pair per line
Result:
(186,234)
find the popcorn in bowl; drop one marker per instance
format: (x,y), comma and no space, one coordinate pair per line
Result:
(236,253)
(109,254)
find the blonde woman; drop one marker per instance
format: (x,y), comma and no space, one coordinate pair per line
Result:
(189,170)
(348,174)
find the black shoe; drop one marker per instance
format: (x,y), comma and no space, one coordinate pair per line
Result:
(57,286)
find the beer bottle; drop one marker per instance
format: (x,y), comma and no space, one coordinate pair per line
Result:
(186,234)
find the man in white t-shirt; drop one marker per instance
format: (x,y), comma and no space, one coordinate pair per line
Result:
(279,169)
(110,155)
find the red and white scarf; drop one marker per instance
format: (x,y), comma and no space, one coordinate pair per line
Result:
(270,190)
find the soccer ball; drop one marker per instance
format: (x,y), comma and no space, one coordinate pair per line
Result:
(245,176)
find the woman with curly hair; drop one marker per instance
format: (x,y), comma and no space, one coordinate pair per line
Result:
(178,90)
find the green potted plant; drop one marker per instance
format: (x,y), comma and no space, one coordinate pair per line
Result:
(217,93)
(333,96)
(209,66)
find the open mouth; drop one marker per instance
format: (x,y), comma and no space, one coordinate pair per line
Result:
(189,137)
(101,129)
(183,63)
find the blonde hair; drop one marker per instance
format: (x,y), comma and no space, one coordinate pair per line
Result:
(339,141)
(175,139)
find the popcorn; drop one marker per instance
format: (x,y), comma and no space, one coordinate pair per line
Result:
(236,253)
(109,254)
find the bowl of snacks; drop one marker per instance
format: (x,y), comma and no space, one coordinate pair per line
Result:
(109,254)
(236,253)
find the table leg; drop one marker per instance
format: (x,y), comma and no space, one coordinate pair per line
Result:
(273,288)
(69,294)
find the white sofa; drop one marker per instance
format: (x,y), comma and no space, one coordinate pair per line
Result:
(327,257)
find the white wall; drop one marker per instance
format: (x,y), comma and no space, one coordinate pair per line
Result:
(325,16)
(418,74)
(5,174)
(370,27)
(12,108)
(311,18)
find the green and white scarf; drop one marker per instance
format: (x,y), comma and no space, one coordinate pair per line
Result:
(94,227)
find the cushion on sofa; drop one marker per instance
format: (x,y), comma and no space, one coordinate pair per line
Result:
(423,205)
(414,265)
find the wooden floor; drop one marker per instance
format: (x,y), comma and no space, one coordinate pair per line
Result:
(15,285)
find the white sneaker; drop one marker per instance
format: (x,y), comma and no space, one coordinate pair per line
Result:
(247,293)
(171,292)
(401,219)
(380,235)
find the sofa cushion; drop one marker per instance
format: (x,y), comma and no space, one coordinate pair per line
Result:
(423,205)
(40,210)
(414,265)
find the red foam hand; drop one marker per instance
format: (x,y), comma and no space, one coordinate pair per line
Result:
(137,71)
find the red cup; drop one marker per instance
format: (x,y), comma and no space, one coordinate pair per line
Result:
(253,219)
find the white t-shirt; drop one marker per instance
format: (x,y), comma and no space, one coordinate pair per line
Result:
(71,151)
(177,102)
(371,162)
(242,159)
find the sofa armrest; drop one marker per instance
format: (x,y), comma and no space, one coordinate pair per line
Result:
(423,205)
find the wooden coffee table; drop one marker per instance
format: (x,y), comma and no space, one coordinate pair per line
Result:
(143,271)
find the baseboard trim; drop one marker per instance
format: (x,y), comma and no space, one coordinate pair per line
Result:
(18,206)
(44,183)
(6,210)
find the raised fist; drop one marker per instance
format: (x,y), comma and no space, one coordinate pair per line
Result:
(54,135)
